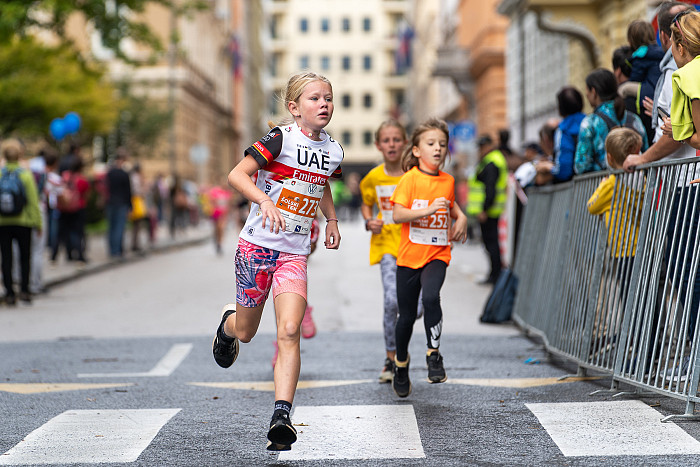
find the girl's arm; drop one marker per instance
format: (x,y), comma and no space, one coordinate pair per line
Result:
(694,140)
(239,179)
(328,209)
(459,229)
(403,214)
(372,224)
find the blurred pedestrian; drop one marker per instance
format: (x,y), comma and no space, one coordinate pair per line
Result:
(118,204)
(220,200)
(139,210)
(644,65)
(609,112)
(424,205)
(179,206)
(513,160)
(293,161)
(19,214)
(487,201)
(72,205)
(52,188)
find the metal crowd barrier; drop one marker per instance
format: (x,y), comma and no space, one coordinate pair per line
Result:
(618,293)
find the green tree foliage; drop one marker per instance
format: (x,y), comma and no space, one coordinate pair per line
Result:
(40,83)
(142,122)
(114,20)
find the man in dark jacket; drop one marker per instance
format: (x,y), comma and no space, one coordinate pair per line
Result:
(118,204)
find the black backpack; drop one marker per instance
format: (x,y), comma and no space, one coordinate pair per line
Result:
(13,198)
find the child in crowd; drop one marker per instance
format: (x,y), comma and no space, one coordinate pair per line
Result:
(620,143)
(685,105)
(424,204)
(376,189)
(644,65)
(293,162)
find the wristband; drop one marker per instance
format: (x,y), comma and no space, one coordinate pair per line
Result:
(331,219)
(261,202)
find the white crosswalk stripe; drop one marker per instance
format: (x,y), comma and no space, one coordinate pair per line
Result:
(90,437)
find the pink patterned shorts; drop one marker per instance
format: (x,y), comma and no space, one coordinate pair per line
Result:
(260,269)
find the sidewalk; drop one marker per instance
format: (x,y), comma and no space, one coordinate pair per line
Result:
(99,259)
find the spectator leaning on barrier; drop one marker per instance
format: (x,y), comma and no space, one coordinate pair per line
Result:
(664,147)
(22,214)
(487,200)
(685,106)
(609,113)
(620,143)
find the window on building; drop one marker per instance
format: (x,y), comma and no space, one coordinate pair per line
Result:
(368,138)
(273,24)
(367,62)
(274,64)
(367,101)
(346,63)
(367,24)
(304,25)
(325,63)
(346,24)
(346,100)
(325,24)
(347,138)
(304,62)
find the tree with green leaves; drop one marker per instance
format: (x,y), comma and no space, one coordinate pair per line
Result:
(40,83)
(114,20)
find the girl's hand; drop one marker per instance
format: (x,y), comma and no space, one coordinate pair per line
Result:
(332,235)
(459,229)
(271,213)
(438,204)
(666,127)
(375,226)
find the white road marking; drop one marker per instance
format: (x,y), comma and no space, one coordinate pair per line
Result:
(355,432)
(36,388)
(164,367)
(90,437)
(269,386)
(519,382)
(624,428)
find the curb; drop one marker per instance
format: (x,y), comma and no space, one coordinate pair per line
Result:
(112,263)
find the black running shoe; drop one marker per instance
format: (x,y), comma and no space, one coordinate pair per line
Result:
(225,348)
(436,370)
(401,383)
(282,434)
(387,372)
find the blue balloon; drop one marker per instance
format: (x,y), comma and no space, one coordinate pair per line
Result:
(71,123)
(57,128)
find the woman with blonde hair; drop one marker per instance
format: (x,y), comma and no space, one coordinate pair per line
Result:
(685,106)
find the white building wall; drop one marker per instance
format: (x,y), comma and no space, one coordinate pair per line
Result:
(353,123)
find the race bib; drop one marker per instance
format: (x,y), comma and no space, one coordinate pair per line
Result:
(298,204)
(384,193)
(431,230)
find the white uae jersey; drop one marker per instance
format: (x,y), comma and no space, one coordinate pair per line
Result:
(294,172)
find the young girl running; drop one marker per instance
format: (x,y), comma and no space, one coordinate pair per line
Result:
(376,189)
(293,163)
(424,203)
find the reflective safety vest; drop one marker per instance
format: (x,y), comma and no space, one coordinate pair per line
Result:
(477,192)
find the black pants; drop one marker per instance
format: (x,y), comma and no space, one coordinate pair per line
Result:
(409,283)
(489,234)
(23,237)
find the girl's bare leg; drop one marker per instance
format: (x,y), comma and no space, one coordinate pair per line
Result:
(289,309)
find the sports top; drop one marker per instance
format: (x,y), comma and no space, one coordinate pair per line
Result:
(376,189)
(426,239)
(294,171)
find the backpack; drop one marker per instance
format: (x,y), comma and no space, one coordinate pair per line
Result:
(13,198)
(499,306)
(628,121)
(68,199)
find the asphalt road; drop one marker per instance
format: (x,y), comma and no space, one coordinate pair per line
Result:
(116,368)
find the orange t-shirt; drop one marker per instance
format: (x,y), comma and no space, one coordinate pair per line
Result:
(420,189)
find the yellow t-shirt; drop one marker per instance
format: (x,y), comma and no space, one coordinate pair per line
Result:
(419,189)
(622,219)
(376,189)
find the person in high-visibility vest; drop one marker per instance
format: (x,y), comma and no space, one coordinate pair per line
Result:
(487,200)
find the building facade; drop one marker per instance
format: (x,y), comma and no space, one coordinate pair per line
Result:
(355,45)
(556,43)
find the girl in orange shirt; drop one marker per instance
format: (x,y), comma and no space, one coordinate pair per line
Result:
(424,202)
